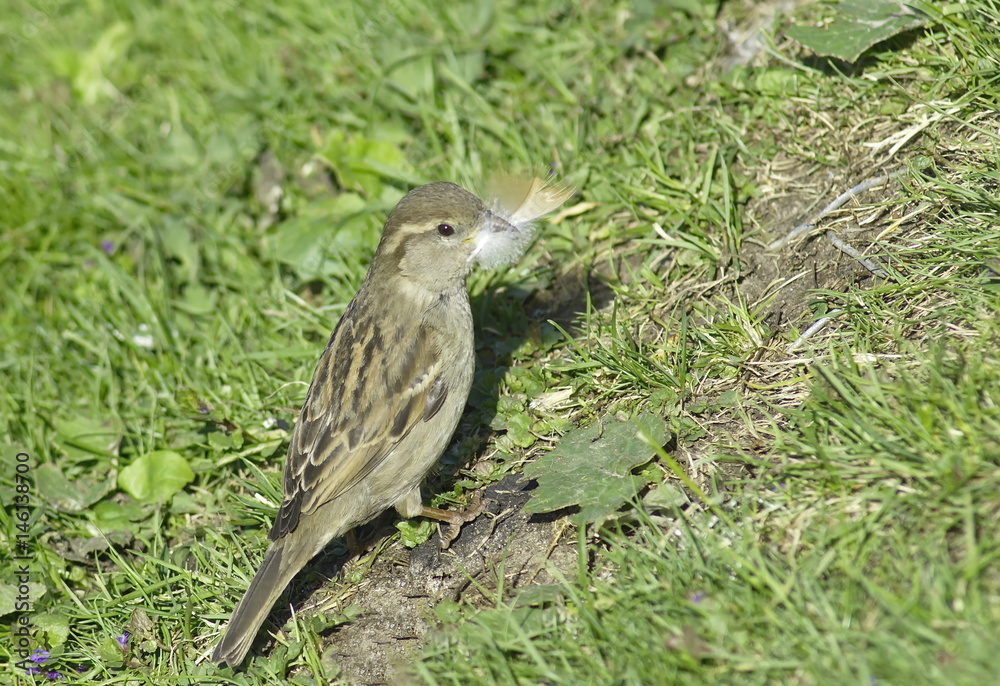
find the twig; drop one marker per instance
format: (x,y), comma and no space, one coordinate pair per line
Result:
(811,331)
(867,263)
(858,357)
(563,525)
(836,204)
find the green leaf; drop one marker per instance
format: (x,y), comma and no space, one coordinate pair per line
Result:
(110,516)
(668,496)
(83,437)
(327,229)
(519,431)
(111,653)
(414,76)
(55,626)
(156,476)
(857,26)
(196,408)
(198,300)
(11,595)
(413,532)
(361,163)
(592,468)
(778,81)
(220,441)
(449,612)
(526,380)
(539,595)
(179,244)
(506,629)
(68,496)
(87,70)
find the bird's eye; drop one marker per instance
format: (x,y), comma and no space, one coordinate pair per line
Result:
(445,229)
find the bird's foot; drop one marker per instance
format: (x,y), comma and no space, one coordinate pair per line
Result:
(455,520)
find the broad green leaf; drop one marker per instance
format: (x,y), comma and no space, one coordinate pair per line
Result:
(539,595)
(326,230)
(592,468)
(179,244)
(668,496)
(414,76)
(507,629)
(68,496)
(413,532)
(196,408)
(779,81)
(11,597)
(198,300)
(86,70)
(55,626)
(519,431)
(83,437)
(111,653)
(857,26)
(156,476)
(110,516)
(360,163)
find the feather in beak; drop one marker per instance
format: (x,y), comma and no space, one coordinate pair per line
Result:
(515,203)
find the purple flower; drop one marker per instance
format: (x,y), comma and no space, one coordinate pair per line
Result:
(39,656)
(123,639)
(204,409)
(54,675)
(697,597)
(33,670)
(108,247)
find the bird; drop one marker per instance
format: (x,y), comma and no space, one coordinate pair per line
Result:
(391,385)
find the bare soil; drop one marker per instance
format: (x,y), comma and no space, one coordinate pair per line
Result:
(399,591)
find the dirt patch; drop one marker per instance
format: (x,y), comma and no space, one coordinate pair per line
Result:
(780,281)
(398,593)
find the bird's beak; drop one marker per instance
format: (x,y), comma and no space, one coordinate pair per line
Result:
(494,223)
(498,241)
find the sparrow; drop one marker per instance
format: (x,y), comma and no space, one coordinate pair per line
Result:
(391,385)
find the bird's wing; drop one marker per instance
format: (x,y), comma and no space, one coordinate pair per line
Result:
(361,403)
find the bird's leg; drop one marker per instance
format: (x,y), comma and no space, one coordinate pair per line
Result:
(354,546)
(455,520)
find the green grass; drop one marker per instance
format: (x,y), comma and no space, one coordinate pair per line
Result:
(153,301)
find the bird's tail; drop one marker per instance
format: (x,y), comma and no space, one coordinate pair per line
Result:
(277,570)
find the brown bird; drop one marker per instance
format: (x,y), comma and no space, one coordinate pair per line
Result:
(391,385)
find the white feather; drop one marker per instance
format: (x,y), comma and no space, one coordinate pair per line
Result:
(515,202)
